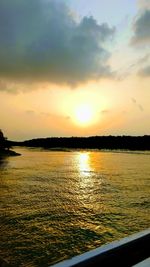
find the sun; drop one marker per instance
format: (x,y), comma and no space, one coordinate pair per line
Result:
(84,115)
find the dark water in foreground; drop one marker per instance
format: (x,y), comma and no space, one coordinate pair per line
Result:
(55,205)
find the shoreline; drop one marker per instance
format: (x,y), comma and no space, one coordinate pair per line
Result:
(8,153)
(59,149)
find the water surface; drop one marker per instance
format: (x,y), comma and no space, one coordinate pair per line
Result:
(55,205)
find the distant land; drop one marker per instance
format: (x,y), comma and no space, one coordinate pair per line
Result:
(92,142)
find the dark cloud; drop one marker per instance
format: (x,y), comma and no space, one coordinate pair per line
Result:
(142,28)
(40,40)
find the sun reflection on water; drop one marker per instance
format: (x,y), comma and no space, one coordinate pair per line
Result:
(85,172)
(85,182)
(84,164)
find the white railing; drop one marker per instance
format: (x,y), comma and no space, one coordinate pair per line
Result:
(126,252)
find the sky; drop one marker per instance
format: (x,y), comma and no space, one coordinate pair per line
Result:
(74,68)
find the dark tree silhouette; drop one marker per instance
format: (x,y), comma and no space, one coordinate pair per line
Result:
(4,143)
(2,140)
(92,142)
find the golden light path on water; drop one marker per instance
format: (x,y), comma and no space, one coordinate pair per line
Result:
(85,170)
(84,164)
(57,204)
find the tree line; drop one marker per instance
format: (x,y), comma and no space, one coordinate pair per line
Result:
(93,142)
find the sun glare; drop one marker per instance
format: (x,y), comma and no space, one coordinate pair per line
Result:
(84,115)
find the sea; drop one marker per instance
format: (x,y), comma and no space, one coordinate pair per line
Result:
(58,204)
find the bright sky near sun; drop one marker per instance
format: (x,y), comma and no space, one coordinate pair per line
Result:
(74,68)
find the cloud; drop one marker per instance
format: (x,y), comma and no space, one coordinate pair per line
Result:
(141,38)
(144,4)
(41,41)
(141,28)
(143,66)
(145,72)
